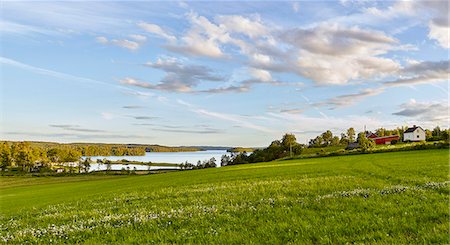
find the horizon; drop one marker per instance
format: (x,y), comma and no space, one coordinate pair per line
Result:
(220,73)
(230,146)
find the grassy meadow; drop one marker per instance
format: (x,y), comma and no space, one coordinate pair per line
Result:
(387,198)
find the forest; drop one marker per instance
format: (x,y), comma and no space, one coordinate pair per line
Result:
(28,156)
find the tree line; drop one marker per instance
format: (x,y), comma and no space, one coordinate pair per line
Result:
(288,145)
(27,155)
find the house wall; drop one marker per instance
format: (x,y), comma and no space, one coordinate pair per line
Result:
(386,140)
(417,135)
(408,136)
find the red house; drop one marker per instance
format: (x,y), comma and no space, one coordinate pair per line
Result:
(385,140)
(371,135)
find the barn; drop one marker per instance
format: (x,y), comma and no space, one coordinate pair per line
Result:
(386,140)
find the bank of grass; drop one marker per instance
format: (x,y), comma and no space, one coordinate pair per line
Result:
(389,198)
(342,151)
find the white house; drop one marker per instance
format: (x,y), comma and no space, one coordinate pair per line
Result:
(416,133)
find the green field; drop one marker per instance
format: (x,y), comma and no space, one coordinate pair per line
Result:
(388,198)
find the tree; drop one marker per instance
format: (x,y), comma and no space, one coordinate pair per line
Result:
(225,160)
(86,164)
(53,155)
(275,143)
(335,140)
(327,136)
(428,134)
(288,141)
(351,135)
(24,156)
(5,155)
(381,132)
(212,162)
(436,131)
(364,143)
(316,142)
(108,165)
(344,139)
(445,134)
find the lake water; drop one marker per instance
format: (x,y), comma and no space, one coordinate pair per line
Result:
(160,157)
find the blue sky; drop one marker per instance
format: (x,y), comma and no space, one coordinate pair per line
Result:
(220,73)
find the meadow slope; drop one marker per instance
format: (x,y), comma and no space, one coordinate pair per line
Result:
(394,198)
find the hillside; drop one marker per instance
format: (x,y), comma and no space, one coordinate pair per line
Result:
(393,198)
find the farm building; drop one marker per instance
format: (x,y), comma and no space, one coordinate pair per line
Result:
(384,140)
(415,133)
(60,170)
(371,135)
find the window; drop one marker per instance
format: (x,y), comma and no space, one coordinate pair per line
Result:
(417,136)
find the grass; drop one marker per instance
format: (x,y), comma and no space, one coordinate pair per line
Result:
(387,198)
(315,150)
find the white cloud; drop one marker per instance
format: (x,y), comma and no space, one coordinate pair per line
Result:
(240,24)
(426,112)
(242,121)
(51,73)
(68,17)
(433,12)
(202,39)
(296,6)
(261,59)
(261,75)
(124,43)
(349,99)
(9,27)
(179,77)
(207,38)
(423,72)
(440,33)
(332,54)
(138,38)
(102,40)
(157,30)
(107,115)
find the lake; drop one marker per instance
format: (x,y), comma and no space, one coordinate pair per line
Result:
(160,157)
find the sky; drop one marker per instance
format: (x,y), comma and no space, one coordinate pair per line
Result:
(219,73)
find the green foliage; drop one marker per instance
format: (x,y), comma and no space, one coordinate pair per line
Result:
(388,198)
(327,139)
(288,140)
(33,156)
(351,135)
(240,149)
(364,143)
(5,155)
(277,149)
(344,139)
(437,134)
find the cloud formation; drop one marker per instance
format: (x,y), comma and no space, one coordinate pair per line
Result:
(422,72)
(240,120)
(75,128)
(437,112)
(179,77)
(143,117)
(349,99)
(332,54)
(133,107)
(157,30)
(435,13)
(124,43)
